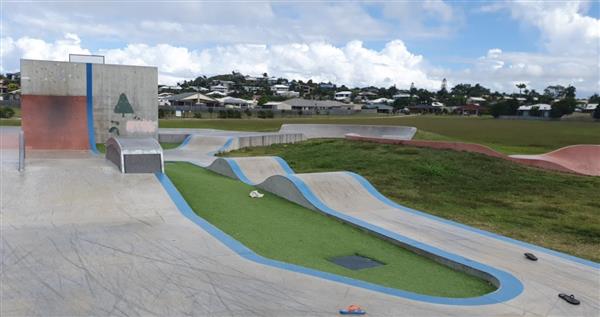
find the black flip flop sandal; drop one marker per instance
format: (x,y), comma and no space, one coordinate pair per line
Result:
(569,298)
(531,256)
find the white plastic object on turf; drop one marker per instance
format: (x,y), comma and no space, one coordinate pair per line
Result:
(256,194)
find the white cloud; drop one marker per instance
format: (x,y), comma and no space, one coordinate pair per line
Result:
(570,43)
(500,70)
(564,27)
(200,23)
(427,19)
(31,48)
(351,64)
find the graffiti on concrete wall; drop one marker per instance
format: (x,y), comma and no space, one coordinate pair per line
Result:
(133,124)
(141,126)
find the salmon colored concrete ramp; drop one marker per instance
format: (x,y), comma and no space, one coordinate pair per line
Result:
(582,159)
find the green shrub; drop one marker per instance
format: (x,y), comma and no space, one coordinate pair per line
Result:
(197,115)
(6,112)
(596,113)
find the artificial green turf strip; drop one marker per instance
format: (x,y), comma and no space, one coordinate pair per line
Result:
(278,229)
(556,210)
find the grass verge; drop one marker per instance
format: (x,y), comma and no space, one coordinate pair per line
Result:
(555,210)
(10,122)
(294,234)
(507,136)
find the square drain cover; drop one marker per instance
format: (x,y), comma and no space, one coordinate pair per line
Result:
(355,262)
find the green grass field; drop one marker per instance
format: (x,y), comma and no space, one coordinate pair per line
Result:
(284,231)
(10,122)
(507,136)
(554,210)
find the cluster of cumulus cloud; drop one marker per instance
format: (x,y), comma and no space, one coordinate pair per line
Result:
(352,64)
(312,45)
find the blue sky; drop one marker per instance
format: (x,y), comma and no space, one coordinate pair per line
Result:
(355,43)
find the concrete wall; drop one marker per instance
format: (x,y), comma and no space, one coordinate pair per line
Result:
(139,84)
(50,117)
(49,78)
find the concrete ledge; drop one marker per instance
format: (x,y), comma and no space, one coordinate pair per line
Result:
(340,130)
(135,155)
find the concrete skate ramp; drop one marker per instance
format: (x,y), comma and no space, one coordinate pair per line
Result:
(201,148)
(577,159)
(312,131)
(581,159)
(352,199)
(250,170)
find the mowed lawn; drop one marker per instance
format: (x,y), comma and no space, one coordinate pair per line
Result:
(507,136)
(279,229)
(555,210)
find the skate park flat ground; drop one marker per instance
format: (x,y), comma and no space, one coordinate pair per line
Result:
(79,238)
(97,242)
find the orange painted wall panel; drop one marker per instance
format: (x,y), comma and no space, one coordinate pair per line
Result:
(54,122)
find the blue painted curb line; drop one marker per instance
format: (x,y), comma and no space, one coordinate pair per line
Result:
(509,286)
(185,141)
(89,98)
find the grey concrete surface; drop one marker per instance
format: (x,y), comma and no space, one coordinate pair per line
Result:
(171,138)
(340,130)
(139,84)
(204,143)
(9,147)
(80,239)
(256,168)
(52,78)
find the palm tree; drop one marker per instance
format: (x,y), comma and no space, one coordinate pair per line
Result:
(521,86)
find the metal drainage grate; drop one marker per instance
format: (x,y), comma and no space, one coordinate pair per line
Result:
(355,262)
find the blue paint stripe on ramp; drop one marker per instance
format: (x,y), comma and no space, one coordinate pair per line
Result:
(89,98)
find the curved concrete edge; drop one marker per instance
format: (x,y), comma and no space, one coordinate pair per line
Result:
(294,189)
(373,191)
(509,288)
(228,168)
(538,161)
(185,141)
